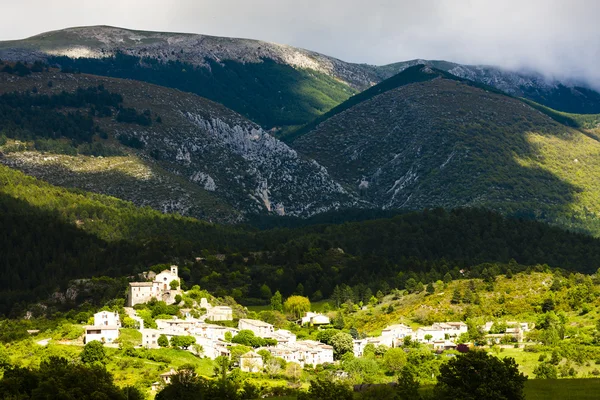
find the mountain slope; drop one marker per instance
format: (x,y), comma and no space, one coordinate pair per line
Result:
(269,83)
(188,155)
(568,96)
(448,143)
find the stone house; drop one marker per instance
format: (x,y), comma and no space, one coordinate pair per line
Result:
(159,288)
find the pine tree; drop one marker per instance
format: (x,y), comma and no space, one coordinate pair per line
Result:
(456,296)
(277,302)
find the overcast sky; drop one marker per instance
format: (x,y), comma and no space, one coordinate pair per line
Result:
(556,37)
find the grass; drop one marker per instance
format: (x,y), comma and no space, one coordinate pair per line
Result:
(562,389)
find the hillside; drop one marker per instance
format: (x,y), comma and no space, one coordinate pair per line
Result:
(449,143)
(568,96)
(154,146)
(274,85)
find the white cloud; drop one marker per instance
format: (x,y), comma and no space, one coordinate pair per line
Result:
(557,37)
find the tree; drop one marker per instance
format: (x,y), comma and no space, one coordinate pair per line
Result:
(198,349)
(447,278)
(163,341)
(277,302)
(545,371)
(428,337)
(299,290)
(394,359)
(322,389)
(456,296)
(228,336)
(93,352)
(479,375)
(430,288)
(182,342)
(297,306)
(325,335)
(408,384)
(174,284)
(342,343)
(339,322)
(410,285)
(548,305)
(420,287)
(475,333)
(265,292)
(272,366)
(293,370)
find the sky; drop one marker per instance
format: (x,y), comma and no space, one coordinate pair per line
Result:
(559,38)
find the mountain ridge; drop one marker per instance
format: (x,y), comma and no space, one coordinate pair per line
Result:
(209,52)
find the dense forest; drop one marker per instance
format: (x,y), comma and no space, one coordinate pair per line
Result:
(54,235)
(29,115)
(245,88)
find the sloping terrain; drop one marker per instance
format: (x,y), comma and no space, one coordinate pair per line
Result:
(185,154)
(274,85)
(568,96)
(447,143)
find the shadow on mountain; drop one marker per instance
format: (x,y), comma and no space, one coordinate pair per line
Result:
(443,143)
(267,93)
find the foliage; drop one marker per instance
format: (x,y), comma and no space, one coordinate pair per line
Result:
(246,337)
(58,379)
(93,352)
(394,359)
(277,302)
(321,389)
(244,87)
(182,342)
(342,343)
(296,305)
(477,375)
(545,371)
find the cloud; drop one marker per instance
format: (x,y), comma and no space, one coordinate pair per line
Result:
(559,38)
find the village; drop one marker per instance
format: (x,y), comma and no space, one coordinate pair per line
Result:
(215,339)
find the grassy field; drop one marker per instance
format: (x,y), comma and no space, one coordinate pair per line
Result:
(562,389)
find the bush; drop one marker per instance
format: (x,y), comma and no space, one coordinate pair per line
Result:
(93,352)
(479,375)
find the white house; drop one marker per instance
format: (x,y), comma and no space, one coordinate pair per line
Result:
(251,362)
(441,331)
(216,313)
(212,332)
(176,326)
(213,348)
(304,352)
(159,288)
(105,329)
(284,336)
(220,313)
(393,333)
(150,338)
(315,319)
(260,328)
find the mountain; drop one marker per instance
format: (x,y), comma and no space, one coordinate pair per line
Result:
(154,146)
(569,96)
(271,84)
(442,141)
(277,86)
